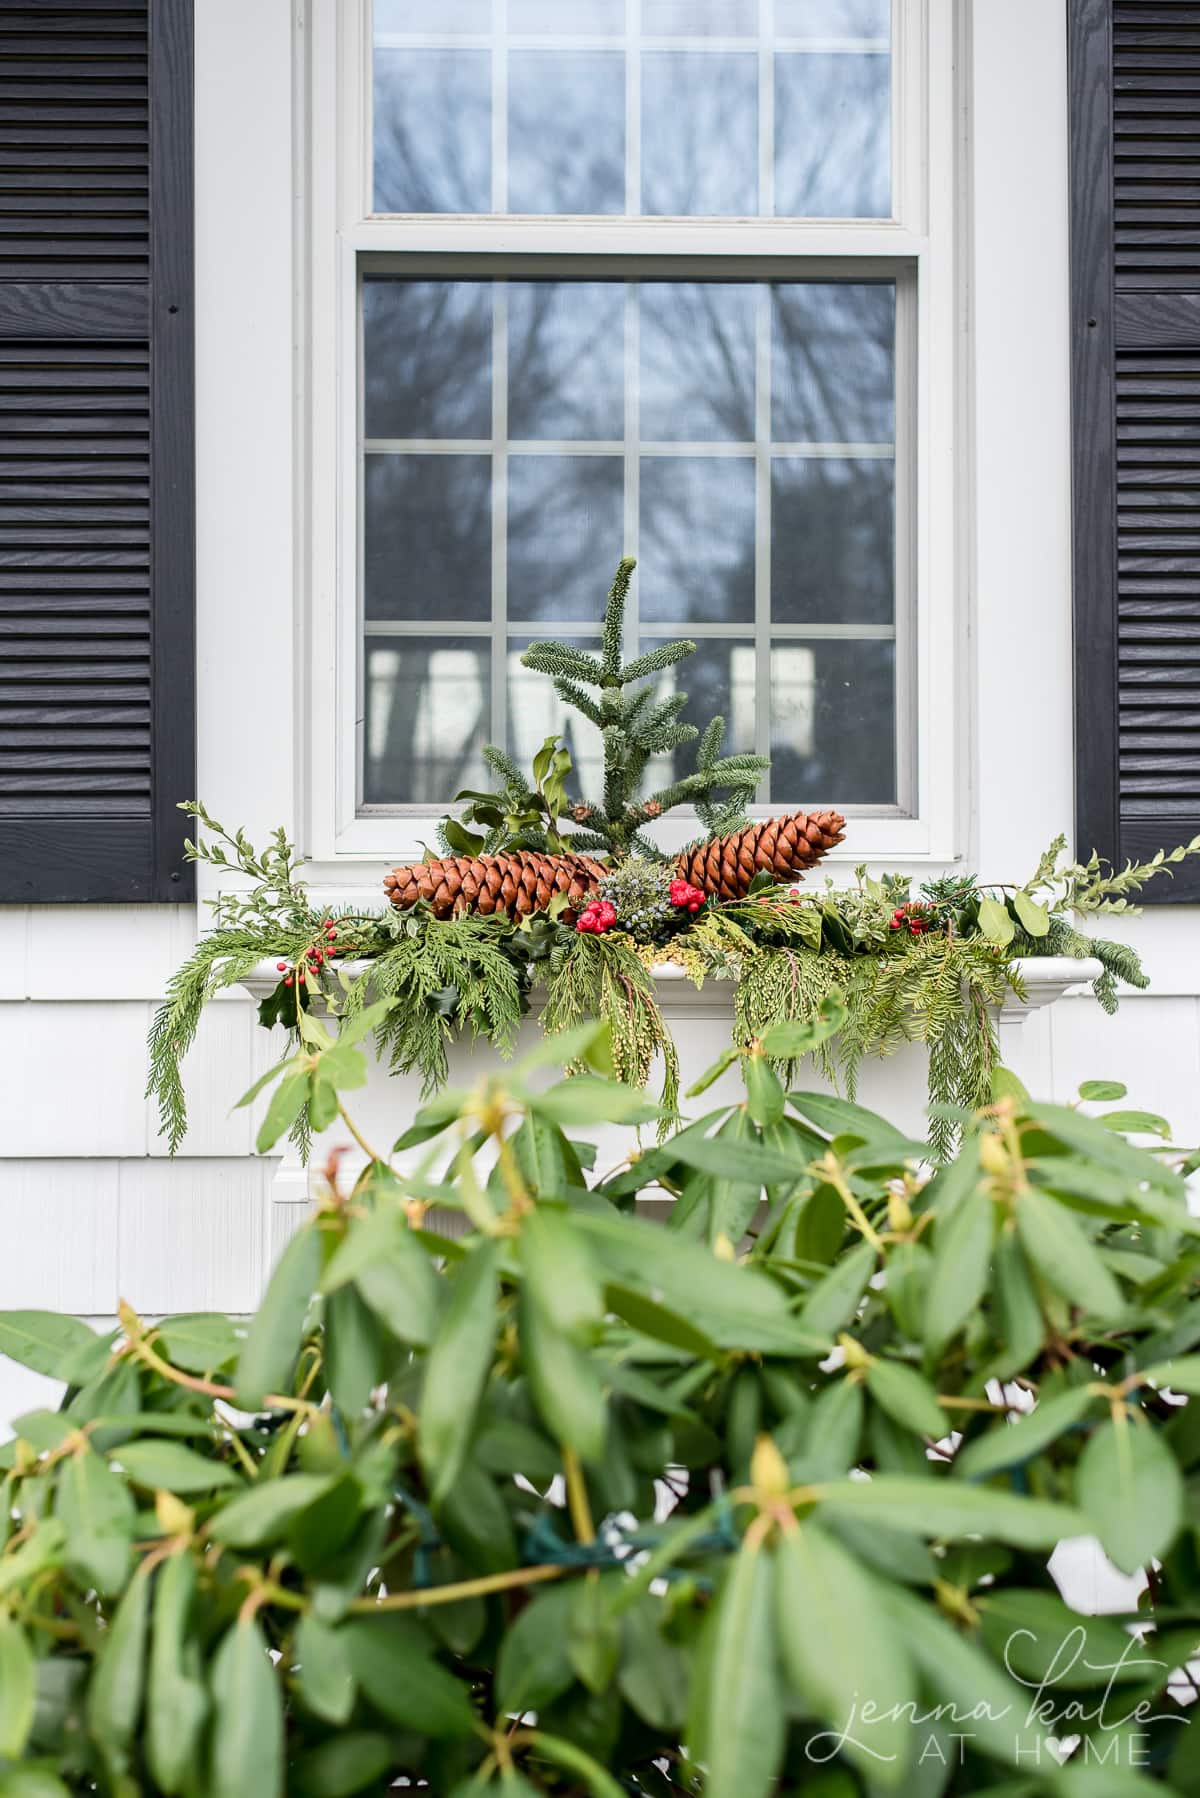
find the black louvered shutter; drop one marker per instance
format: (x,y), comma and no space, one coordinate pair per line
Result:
(97,702)
(1135,228)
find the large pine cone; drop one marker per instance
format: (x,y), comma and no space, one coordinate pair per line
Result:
(784,847)
(522,882)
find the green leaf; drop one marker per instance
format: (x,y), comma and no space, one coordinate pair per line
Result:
(564,1047)
(176,1699)
(961,1676)
(262,1514)
(43,1549)
(835,1298)
(1090,1139)
(201,1342)
(30,1782)
(393,1273)
(839,1117)
(1035,919)
(788,1040)
(1019,1320)
(1181,1375)
(273,1340)
(42,1340)
(593,1636)
(322,1530)
(712,1074)
(457,1368)
(1131,1489)
(764,1091)
(939,1507)
(347,1763)
(658,1322)
(171,1467)
(652,1673)
(287,1102)
(364,1021)
(1101,1090)
(1012,1444)
(839,1645)
(394,1666)
(532,1667)
(354,1362)
(588,1099)
(569,1755)
(1064,1256)
(961,1262)
(17,1687)
(264,1080)
(745,1724)
(905,1396)
(248,1729)
(565,1384)
(1137,1123)
(560,1279)
(98,1513)
(114,1694)
(324,1673)
(1041,1640)
(995,923)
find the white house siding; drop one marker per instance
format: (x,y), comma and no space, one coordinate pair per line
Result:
(90,1209)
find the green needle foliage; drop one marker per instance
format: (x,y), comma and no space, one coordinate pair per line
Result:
(575,1502)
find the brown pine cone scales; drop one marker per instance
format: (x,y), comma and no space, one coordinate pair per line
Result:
(519,883)
(526,881)
(784,847)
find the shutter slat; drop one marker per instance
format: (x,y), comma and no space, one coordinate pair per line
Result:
(95,449)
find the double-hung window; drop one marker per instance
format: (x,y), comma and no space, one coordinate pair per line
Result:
(666,278)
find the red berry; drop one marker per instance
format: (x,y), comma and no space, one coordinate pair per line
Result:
(281,965)
(288,981)
(694,905)
(301,976)
(793,898)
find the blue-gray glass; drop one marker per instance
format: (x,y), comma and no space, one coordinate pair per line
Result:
(566,131)
(700,18)
(697,361)
(833,722)
(433,130)
(833,362)
(427,537)
(869,19)
(446,18)
(536,712)
(566,360)
(696,554)
(566,18)
(833,135)
(833,546)
(565,535)
(427,358)
(700,133)
(427,704)
(718,680)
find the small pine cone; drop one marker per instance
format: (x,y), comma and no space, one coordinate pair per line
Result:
(515,884)
(652,808)
(784,847)
(581,812)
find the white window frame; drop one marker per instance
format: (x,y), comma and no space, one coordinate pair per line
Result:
(337,233)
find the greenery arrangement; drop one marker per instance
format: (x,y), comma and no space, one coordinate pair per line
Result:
(930,966)
(760,1501)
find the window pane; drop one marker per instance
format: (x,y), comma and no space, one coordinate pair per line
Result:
(564,519)
(566,131)
(535,712)
(697,361)
(427,352)
(690,104)
(774,548)
(833,140)
(557,111)
(719,678)
(697,539)
(566,359)
(833,537)
(428,537)
(433,130)
(427,713)
(833,728)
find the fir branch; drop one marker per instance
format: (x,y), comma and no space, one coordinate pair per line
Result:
(582,702)
(612,637)
(605,977)
(655,660)
(562,660)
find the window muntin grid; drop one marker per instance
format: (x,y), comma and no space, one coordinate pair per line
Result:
(476,540)
(613,107)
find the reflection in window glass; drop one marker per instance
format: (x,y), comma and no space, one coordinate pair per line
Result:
(427,712)
(545,117)
(833,727)
(637,421)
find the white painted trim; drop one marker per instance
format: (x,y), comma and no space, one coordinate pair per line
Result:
(341,232)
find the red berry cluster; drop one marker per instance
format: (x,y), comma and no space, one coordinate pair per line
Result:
(597,917)
(913,917)
(312,959)
(685,895)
